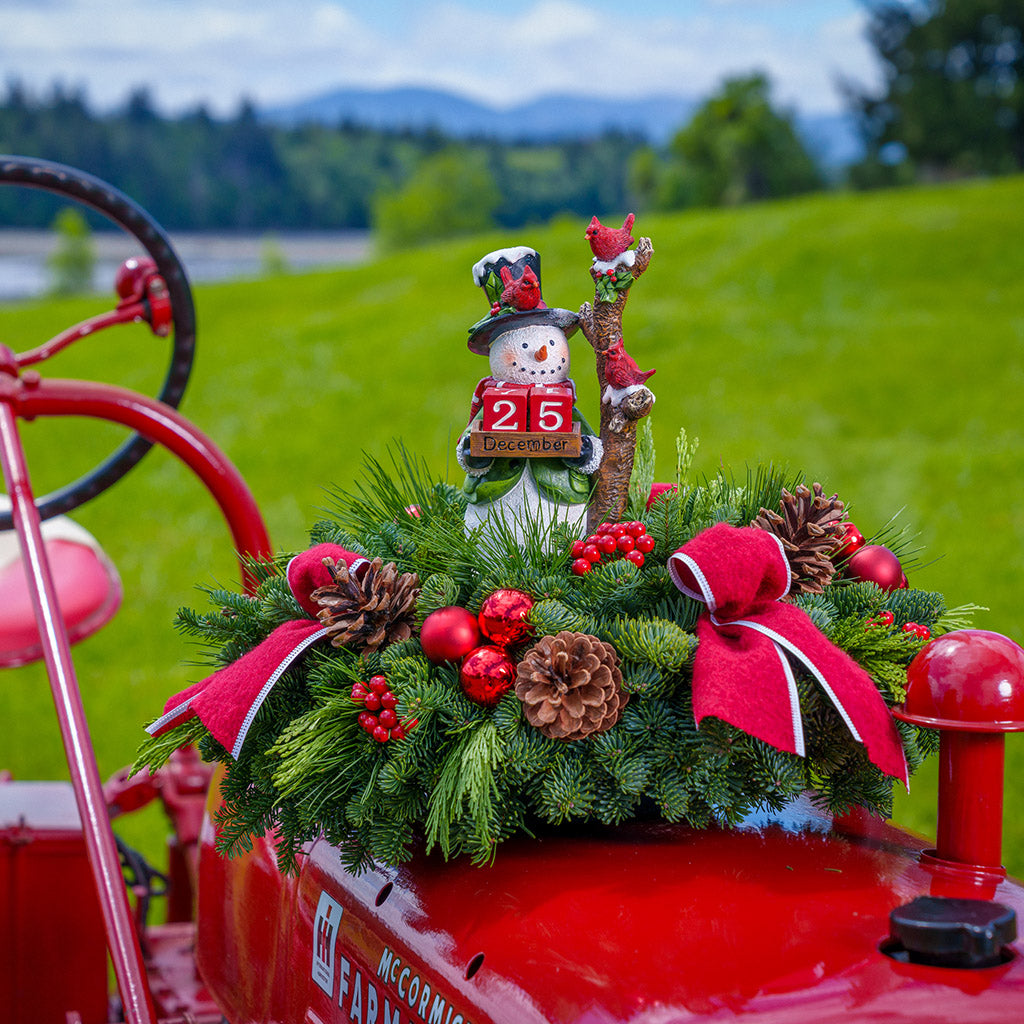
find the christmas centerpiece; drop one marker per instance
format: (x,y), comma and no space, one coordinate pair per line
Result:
(558,639)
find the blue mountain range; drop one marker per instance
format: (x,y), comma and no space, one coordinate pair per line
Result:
(832,138)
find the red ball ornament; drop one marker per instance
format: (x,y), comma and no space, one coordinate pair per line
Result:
(487,674)
(851,540)
(504,616)
(449,634)
(876,564)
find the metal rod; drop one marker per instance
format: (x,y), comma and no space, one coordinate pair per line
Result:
(103,859)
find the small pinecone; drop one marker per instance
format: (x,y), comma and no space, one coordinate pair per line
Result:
(571,686)
(370,612)
(810,528)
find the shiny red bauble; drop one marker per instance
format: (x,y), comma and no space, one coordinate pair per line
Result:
(449,634)
(504,616)
(487,674)
(876,564)
(851,540)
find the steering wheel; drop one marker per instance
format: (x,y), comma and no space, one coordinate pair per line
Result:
(128,215)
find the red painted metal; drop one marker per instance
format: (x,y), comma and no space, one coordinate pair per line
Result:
(970,685)
(777,921)
(50,912)
(166,427)
(103,859)
(125,314)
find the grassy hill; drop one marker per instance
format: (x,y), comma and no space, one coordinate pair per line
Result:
(875,342)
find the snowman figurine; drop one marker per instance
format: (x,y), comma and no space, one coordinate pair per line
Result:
(527,344)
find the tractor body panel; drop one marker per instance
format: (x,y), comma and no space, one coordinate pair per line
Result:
(780,920)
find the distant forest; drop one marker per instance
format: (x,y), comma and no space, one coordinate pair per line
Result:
(197,172)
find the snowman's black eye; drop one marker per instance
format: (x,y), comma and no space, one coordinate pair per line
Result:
(524,344)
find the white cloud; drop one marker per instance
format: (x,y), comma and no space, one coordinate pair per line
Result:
(191,50)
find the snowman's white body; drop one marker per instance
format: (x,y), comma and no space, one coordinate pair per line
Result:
(534,354)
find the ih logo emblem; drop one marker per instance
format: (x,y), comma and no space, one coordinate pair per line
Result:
(325,935)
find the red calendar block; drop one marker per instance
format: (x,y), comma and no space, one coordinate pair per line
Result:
(505,408)
(551,408)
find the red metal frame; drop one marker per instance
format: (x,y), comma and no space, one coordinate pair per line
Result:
(27,397)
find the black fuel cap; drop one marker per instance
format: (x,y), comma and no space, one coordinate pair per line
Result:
(945,932)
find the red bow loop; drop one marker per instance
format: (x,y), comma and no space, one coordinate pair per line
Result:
(748,641)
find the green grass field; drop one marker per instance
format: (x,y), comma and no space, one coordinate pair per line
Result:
(875,342)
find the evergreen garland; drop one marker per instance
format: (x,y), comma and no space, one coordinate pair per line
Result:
(467,777)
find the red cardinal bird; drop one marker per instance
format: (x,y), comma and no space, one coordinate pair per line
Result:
(607,243)
(520,293)
(620,369)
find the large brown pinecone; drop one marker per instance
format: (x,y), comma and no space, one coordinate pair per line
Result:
(369,612)
(571,686)
(810,528)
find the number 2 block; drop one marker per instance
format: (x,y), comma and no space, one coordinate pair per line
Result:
(505,408)
(550,409)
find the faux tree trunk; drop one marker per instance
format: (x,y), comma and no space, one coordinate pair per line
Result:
(601,324)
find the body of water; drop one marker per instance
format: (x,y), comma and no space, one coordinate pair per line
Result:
(207,257)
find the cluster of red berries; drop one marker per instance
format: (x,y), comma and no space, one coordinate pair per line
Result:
(629,540)
(610,274)
(380,719)
(887,619)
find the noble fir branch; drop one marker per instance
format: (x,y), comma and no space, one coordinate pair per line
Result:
(567,791)
(654,642)
(436,591)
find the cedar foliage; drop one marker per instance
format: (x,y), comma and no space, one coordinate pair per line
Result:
(467,777)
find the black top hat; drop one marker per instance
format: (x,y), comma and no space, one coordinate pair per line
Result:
(510,279)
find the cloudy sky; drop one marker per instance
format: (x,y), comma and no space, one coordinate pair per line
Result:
(217,51)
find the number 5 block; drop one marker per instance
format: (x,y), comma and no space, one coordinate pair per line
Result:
(505,408)
(550,409)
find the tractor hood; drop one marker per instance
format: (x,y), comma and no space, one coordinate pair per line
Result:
(779,920)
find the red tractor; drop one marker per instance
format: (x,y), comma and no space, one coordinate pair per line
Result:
(790,916)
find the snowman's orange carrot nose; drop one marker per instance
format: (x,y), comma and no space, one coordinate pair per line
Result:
(541,354)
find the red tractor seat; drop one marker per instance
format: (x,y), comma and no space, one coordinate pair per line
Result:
(88,589)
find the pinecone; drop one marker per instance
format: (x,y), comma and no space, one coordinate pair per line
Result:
(370,612)
(571,686)
(810,528)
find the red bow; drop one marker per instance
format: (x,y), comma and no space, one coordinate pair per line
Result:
(227,701)
(747,637)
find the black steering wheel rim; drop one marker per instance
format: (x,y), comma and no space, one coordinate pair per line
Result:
(125,213)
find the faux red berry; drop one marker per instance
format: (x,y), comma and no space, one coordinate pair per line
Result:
(371,724)
(388,718)
(398,733)
(612,276)
(636,529)
(606,543)
(592,553)
(373,702)
(380,734)
(645,543)
(603,528)
(379,685)
(886,618)
(618,530)
(577,548)
(636,557)
(358,691)
(581,566)
(592,539)
(625,543)
(388,700)
(366,719)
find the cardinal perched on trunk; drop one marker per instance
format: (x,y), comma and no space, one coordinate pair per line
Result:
(520,293)
(607,243)
(620,369)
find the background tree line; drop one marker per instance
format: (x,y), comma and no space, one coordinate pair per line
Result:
(951,103)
